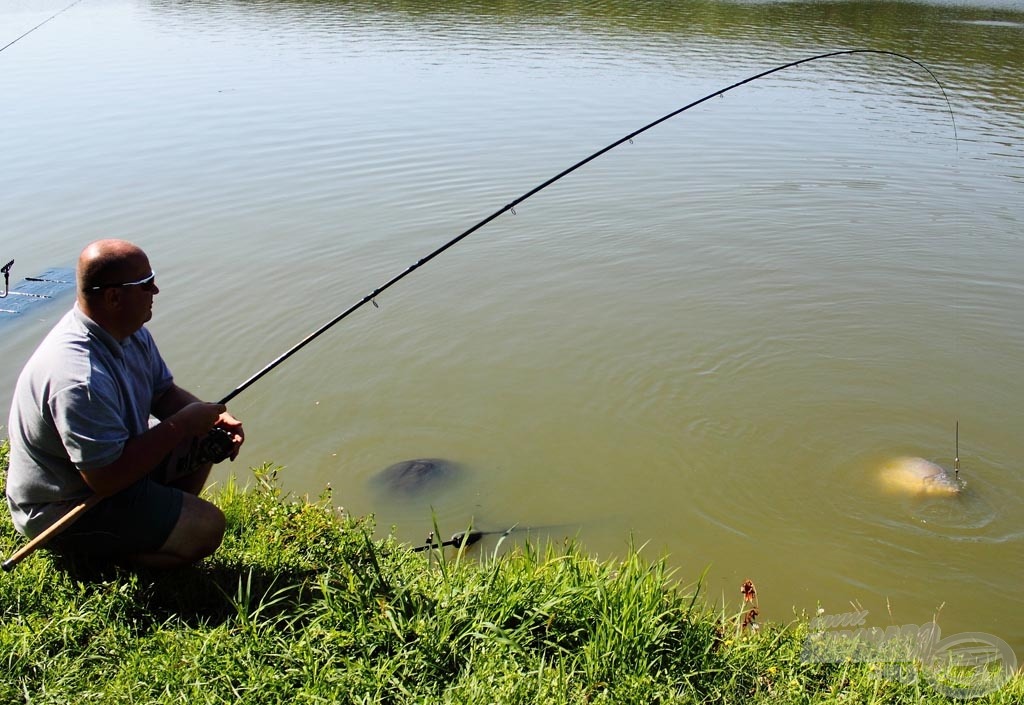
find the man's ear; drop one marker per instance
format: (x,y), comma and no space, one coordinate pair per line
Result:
(112,297)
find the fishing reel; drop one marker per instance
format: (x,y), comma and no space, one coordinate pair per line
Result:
(217,446)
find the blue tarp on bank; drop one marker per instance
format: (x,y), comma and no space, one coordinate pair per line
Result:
(37,291)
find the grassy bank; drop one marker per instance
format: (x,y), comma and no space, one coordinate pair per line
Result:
(301,605)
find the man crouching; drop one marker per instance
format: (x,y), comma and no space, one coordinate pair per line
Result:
(96,412)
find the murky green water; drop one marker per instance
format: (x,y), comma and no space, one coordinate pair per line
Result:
(709,339)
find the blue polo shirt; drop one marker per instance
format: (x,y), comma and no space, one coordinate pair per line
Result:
(80,397)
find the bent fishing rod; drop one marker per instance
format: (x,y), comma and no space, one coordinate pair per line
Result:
(510,207)
(77,511)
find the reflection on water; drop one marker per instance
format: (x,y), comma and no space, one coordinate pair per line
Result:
(710,338)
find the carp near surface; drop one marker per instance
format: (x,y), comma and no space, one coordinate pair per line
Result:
(919,476)
(411,478)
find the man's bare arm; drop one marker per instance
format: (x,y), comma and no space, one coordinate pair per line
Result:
(176,398)
(173,400)
(142,453)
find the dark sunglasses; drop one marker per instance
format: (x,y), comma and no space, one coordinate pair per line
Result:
(147,283)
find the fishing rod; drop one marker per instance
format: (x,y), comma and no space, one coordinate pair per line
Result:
(510,207)
(218,439)
(59,12)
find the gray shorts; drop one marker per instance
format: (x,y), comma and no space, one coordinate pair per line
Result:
(135,520)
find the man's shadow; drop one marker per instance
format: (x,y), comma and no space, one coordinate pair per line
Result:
(205,594)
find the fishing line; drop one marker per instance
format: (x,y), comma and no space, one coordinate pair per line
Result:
(59,12)
(956,456)
(371,297)
(7,267)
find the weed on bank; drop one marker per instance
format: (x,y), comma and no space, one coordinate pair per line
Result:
(302,605)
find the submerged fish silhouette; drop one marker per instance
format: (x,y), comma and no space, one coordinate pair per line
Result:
(413,477)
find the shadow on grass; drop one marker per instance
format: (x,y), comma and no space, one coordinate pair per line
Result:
(206,594)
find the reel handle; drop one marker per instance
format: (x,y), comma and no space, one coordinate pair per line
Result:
(216,447)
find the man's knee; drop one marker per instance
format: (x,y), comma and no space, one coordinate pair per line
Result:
(214,524)
(198,531)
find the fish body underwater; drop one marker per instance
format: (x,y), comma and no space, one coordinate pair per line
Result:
(411,478)
(917,476)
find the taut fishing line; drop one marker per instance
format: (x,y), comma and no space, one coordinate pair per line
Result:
(221,445)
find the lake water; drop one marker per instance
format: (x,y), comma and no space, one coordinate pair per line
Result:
(708,340)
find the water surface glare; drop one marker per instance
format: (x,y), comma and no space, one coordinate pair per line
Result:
(710,339)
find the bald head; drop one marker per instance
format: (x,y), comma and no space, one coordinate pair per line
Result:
(107,262)
(116,286)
